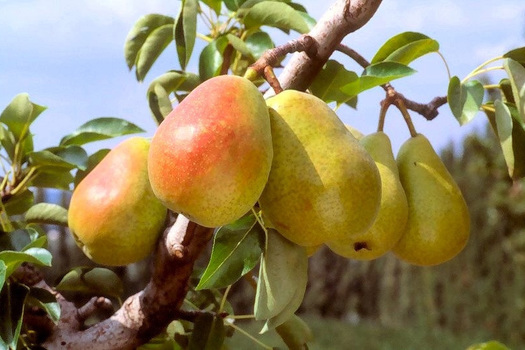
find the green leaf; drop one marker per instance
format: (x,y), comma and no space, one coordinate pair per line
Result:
(258,43)
(46,159)
(100,129)
(72,154)
(506,90)
(45,300)
(275,14)
(210,60)
(160,88)
(282,281)
(37,256)
(215,5)
(516,73)
(21,239)
(239,45)
(140,32)
(375,75)
(19,114)
(295,333)
(3,274)
(47,213)
(92,280)
(155,43)
(8,141)
(327,84)
(59,178)
(403,42)
(92,162)
(236,250)
(12,299)
(19,203)
(233,5)
(465,99)
(517,55)
(185,31)
(491,345)
(208,333)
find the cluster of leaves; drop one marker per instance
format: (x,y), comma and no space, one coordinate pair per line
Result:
(23,239)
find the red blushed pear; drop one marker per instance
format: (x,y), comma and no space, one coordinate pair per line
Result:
(113,214)
(210,158)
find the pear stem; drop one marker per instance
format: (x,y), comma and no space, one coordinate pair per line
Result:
(271,78)
(400,104)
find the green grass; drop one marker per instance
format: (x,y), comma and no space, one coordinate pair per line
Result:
(334,334)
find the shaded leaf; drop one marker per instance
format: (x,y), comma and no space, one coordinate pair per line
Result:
(72,154)
(211,58)
(327,84)
(19,114)
(13,259)
(258,43)
(45,300)
(19,203)
(517,55)
(282,281)
(506,90)
(398,42)
(139,33)
(185,31)
(47,213)
(215,5)
(236,250)
(295,333)
(12,299)
(155,43)
(516,73)
(53,178)
(100,129)
(92,162)
(92,280)
(3,273)
(208,333)
(465,99)
(21,239)
(275,14)
(8,141)
(233,5)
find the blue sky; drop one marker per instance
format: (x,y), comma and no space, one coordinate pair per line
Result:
(68,55)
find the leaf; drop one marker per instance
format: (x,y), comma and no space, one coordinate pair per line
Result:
(160,88)
(208,333)
(239,45)
(275,14)
(12,299)
(233,5)
(517,55)
(47,213)
(516,73)
(210,60)
(407,44)
(506,90)
(491,345)
(140,32)
(8,141)
(37,256)
(19,114)
(465,99)
(236,250)
(215,5)
(49,160)
(155,43)
(53,178)
(19,203)
(327,84)
(258,43)
(295,333)
(20,239)
(185,31)
(100,129)
(282,280)
(92,280)
(375,75)
(92,162)
(3,274)
(45,300)
(72,154)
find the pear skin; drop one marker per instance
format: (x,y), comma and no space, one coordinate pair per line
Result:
(210,158)
(438,224)
(323,185)
(356,133)
(113,214)
(393,213)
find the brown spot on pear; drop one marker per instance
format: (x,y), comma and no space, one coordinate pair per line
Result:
(113,214)
(210,158)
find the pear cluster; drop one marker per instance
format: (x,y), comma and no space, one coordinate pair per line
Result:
(224,149)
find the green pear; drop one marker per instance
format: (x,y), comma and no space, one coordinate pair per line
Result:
(211,157)
(356,133)
(393,213)
(113,214)
(438,224)
(323,185)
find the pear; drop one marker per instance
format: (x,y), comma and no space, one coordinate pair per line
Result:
(211,157)
(438,224)
(323,185)
(113,214)
(393,213)
(356,133)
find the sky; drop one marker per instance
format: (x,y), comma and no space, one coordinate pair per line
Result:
(68,55)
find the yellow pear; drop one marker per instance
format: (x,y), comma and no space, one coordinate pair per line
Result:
(393,213)
(438,224)
(356,133)
(113,214)
(323,184)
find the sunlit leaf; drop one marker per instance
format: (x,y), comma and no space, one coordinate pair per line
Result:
(138,34)
(19,114)
(403,42)
(211,58)
(275,14)
(155,43)
(100,129)
(233,5)
(491,345)
(93,281)
(516,73)
(239,45)
(185,30)
(465,99)
(236,250)
(8,141)
(45,300)
(258,43)
(47,213)
(215,5)
(327,84)
(13,259)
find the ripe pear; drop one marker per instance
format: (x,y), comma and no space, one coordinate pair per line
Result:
(438,224)
(211,157)
(113,214)
(356,133)
(323,184)
(393,213)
